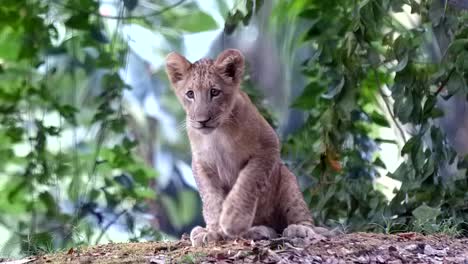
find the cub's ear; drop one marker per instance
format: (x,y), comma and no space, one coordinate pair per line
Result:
(230,65)
(177,67)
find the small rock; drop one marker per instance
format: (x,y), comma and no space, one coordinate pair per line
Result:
(380,259)
(363,259)
(392,249)
(411,247)
(160,259)
(346,251)
(317,258)
(332,260)
(461,260)
(86,260)
(428,250)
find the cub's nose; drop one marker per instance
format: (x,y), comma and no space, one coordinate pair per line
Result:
(203,122)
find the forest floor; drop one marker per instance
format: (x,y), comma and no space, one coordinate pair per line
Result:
(348,248)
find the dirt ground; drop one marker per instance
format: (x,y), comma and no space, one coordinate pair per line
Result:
(349,248)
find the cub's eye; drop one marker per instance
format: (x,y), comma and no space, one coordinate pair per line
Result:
(189,94)
(215,92)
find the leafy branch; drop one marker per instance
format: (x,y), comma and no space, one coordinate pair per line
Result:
(122,17)
(152,14)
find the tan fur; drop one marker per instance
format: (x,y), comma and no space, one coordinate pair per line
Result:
(245,188)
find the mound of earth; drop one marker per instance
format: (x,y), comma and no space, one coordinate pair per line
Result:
(348,248)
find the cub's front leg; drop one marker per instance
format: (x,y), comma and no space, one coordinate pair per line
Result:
(240,206)
(212,197)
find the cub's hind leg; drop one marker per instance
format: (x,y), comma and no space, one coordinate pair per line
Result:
(294,209)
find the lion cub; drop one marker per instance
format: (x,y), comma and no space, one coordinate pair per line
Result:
(245,188)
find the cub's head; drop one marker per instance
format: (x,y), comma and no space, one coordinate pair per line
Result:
(206,88)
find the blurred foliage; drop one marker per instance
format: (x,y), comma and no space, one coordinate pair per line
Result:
(69,166)
(356,49)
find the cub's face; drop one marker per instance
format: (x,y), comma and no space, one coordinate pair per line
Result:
(206,89)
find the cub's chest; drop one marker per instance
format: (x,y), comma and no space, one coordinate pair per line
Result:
(226,157)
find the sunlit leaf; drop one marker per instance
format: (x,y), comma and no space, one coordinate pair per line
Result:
(334,90)
(425,213)
(196,21)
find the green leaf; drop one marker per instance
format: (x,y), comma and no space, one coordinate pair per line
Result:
(401,63)
(249,6)
(308,98)
(125,180)
(9,48)
(379,119)
(400,172)
(403,107)
(417,155)
(363,3)
(78,21)
(129,144)
(383,140)
(429,104)
(14,193)
(455,84)
(378,162)
(48,200)
(99,35)
(457,46)
(436,12)
(425,213)
(397,5)
(462,62)
(232,20)
(408,147)
(309,13)
(145,193)
(401,47)
(429,168)
(334,90)
(196,21)
(436,113)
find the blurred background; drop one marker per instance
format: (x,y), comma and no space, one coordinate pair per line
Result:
(368,98)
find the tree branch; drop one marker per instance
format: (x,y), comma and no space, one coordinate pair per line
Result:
(444,82)
(104,230)
(387,105)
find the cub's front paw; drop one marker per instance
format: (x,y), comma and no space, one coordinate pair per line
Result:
(260,233)
(234,221)
(200,236)
(301,231)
